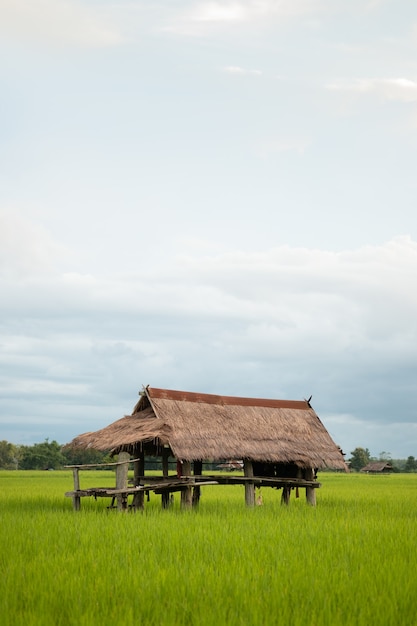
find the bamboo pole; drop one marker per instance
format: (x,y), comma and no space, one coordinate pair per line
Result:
(249,486)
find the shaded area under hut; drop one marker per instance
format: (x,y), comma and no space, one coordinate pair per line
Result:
(281,443)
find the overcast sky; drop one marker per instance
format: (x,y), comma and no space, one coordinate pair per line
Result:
(209,196)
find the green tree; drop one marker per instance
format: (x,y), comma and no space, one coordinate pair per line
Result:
(8,455)
(46,455)
(360,457)
(85,457)
(410,464)
(385,456)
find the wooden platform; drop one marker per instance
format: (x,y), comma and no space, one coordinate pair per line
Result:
(166,486)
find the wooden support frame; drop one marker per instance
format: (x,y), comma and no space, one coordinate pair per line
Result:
(187,482)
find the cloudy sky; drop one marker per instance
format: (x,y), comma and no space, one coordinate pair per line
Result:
(211,196)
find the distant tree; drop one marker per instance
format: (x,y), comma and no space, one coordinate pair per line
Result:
(360,457)
(46,455)
(398,465)
(85,457)
(410,464)
(385,456)
(8,455)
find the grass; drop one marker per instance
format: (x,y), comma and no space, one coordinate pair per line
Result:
(350,560)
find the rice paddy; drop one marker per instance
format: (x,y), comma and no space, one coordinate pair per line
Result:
(350,560)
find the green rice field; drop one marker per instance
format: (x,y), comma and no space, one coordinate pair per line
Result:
(350,560)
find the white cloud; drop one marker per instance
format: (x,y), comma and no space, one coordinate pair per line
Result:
(246,10)
(35,388)
(369,433)
(220,12)
(240,71)
(286,321)
(27,248)
(56,22)
(206,15)
(270,146)
(400,89)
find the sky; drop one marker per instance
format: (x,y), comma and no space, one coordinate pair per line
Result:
(209,196)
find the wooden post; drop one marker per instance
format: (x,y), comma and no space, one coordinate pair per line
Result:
(249,486)
(198,470)
(76,500)
(187,493)
(139,471)
(121,478)
(286,494)
(165,495)
(299,475)
(310,491)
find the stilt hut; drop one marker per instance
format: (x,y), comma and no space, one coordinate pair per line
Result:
(282,444)
(378,467)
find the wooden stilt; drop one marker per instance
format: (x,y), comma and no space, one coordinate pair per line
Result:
(187,493)
(286,494)
(249,487)
(76,500)
(121,478)
(299,475)
(310,491)
(139,471)
(198,470)
(165,495)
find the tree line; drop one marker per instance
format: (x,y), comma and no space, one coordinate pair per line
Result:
(50,455)
(362,456)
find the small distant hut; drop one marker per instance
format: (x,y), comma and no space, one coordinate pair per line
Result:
(377,467)
(282,444)
(231,466)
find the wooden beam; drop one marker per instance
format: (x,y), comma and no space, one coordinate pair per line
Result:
(89,465)
(249,485)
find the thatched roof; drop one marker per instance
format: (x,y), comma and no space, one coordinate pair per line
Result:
(377,466)
(202,426)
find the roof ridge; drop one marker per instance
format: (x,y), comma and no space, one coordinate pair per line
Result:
(207,398)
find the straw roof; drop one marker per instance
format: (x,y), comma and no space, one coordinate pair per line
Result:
(377,466)
(203,426)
